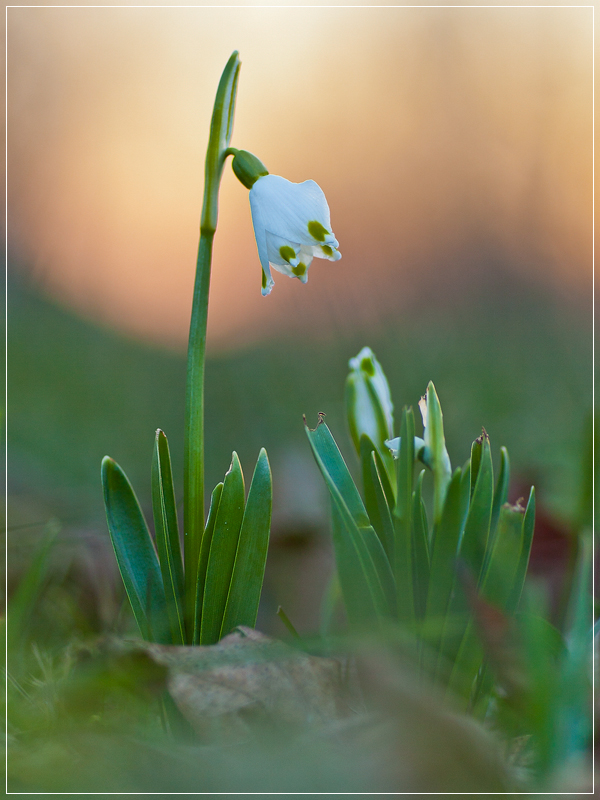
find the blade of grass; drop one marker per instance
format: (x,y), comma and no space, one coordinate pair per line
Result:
(23,601)
(287,622)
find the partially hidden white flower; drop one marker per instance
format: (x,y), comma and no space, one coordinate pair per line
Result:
(292,226)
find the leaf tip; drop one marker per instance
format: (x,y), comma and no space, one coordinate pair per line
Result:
(320,420)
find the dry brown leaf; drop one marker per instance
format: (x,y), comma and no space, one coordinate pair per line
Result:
(248,678)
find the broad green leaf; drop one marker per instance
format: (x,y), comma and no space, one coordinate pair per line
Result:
(334,470)
(251,555)
(420,549)
(473,552)
(526,540)
(375,499)
(389,489)
(364,600)
(359,553)
(167,536)
(498,581)
(442,571)
(465,492)
(203,557)
(474,540)
(403,556)
(476,450)
(497,589)
(135,554)
(501,491)
(223,548)
(436,444)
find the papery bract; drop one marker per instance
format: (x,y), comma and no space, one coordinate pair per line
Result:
(292,226)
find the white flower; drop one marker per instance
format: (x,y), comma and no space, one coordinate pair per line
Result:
(292,226)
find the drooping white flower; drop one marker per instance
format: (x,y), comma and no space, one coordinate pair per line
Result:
(292,226)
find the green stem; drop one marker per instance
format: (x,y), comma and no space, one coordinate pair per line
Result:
(193,473)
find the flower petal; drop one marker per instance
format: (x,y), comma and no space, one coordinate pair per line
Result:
(260,235)
(289,208)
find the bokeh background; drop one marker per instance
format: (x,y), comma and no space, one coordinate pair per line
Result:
(455,148)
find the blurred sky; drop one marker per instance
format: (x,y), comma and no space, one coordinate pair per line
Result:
(441,137)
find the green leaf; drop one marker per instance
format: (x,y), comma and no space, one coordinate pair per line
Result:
(363,567)
(375,499)
(498,582)
(215,499)
(403,556)
(501,492)
(436,443)
(389,490)
(474,540)
(167,536)
(420,549)
(526,541)
(497,589)
(135,553)
(463,649)
(446,537)
(251,555)
(364,600)
(222,553)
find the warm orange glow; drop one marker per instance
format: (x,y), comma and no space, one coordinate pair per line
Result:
(432,131)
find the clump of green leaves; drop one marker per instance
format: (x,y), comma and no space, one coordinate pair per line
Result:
(200,595)
(405,557)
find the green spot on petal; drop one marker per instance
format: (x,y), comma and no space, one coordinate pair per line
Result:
(317,231)
(264,280)
(299,270)
(327,250)
(287,252)
(367,366)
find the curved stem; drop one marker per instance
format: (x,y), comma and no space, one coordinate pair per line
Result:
(193,477)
